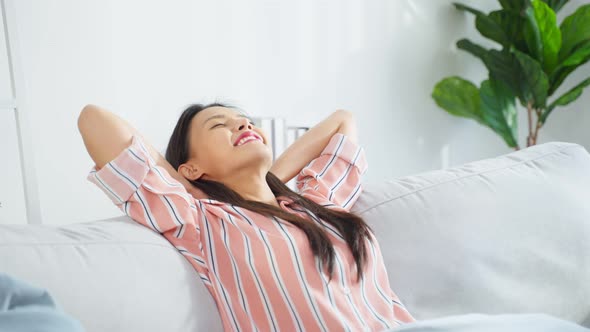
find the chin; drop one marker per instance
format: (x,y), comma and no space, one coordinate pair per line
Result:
(257,155)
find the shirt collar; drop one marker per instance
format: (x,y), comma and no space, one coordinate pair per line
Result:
(284,200)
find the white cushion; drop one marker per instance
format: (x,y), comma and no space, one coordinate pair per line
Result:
(509,234)
(112,275)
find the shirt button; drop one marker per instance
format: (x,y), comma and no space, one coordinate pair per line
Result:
(346,290)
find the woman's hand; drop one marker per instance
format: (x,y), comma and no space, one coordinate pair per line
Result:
(310,145)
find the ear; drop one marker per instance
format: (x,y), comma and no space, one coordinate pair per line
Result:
(190,171)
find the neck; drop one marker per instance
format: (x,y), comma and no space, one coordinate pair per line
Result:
(252,186)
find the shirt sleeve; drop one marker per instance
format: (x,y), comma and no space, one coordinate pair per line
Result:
(149,195)
(336,174)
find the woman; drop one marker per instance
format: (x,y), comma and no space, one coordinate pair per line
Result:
(272,259)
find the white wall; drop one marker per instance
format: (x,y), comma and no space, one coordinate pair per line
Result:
(146,60)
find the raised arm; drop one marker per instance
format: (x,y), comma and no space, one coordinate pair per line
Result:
(310,145)
(140,182)
(105,135)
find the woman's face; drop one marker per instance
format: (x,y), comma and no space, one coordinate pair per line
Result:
(213,150)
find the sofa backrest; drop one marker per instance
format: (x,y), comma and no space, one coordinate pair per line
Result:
(509,234)
(506,234)
(112,275)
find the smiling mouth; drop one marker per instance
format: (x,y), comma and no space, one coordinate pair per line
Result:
(248,140)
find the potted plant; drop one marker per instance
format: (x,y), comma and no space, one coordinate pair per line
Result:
(536,56)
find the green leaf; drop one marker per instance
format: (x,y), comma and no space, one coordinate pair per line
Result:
(486,25)
(556,5)
(534,83)
(468,9)
(521,73)
(532,34)
(575,30)
(516,5)
(565,99)
(542,34)
(473,48)
(504,67)
(579,56)
(458,97)
(499,110)
(557,78)
(513,25)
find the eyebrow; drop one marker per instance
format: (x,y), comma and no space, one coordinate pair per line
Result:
(221,116)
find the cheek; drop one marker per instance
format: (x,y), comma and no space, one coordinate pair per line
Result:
(216,151)
(213,149)
(264,135)
(218,139)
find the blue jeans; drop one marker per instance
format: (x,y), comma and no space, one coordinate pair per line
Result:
(476,322)
(24,307)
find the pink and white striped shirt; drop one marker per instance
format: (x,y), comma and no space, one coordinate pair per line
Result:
(260,270)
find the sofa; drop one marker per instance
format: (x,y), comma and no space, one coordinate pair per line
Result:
(508,234)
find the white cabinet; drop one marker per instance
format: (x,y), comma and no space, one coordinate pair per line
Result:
(12,196)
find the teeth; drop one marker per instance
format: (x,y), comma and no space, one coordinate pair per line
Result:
(246,139)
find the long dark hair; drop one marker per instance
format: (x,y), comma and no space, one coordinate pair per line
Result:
(352,228)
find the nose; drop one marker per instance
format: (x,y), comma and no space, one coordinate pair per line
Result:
(243,123)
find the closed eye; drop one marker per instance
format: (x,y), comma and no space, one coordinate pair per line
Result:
(222,124)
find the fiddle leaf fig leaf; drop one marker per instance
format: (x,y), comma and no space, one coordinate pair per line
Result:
(521,73)
(475,49)
(487,26)
(468,9)
(499,110)
(575,46)
(542,34)
(575,29)
(504,67)
(579,55)
(556,5)
(458,97)
(534,83)
(532,34)
(516,5)
(566,98)
(513,24)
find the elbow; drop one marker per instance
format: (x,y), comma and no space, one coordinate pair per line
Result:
(344,113)
(345,116)
(347,125)
(87,115)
